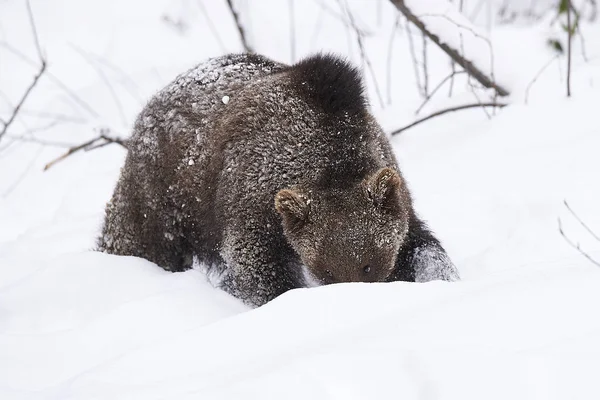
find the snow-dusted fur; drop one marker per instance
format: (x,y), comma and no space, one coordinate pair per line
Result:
(274,175)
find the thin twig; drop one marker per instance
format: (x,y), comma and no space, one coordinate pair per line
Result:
(425,66)
(467,65)
(53,78)
(6,124)
(587,228)
(106,81)
(86,146)
(576,246)
(240,28)
(537,75)
(362,50)
(292,31)
(570,37)
(445,111)
(411,47)
(15,111)
(438,87)
(211,26)
(389,59)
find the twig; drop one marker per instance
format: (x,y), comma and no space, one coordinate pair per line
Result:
(236,18)
(453,68)
(6,124)
(211,26)
(587,228)
(411,47)
(535,78)
(438,87)
(106,81)
(87,146)
(15,111)
(292,31)
(362,50)
(389,59)
(570,37)
(54,79)
(445,111)
(576,246)
(467,65)
(424,65)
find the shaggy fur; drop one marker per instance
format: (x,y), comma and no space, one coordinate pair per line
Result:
(274,175)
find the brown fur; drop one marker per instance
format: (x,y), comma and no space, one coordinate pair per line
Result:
(290,180)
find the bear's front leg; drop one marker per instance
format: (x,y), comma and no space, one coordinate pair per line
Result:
(258,267)
(422,258)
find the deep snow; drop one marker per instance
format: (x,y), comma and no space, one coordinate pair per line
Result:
(75,324)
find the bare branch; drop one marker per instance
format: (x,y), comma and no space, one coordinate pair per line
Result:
(389,59)
(438,87)
(211,26)
(236,18)
(106,81)
(570,39)
(34,30)
(15,111)
(445,111)
(424,65)
(361,47)
(576,246)
(535,78)
(53,78)
(467,65)
(292,30)
(587,228)
(6,124)
(99,141)
(411,47)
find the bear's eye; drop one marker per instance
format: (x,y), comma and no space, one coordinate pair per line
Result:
(367,269)
(328,273)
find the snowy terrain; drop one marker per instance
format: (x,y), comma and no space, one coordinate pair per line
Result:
(522,324)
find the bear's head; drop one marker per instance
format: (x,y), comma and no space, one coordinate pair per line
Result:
(351,234)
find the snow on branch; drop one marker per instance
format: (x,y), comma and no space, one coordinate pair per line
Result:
(444,25)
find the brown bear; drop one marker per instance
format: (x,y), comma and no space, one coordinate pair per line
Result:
(275,176)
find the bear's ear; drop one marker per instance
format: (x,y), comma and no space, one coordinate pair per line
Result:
(292,206)
(384,189)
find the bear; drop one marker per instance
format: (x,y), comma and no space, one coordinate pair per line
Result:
(273,176)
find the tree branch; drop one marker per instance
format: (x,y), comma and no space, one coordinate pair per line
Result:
(445,111)
(454,54)
(576,246)
(6,124)
(99,141)
(240,28)
(570,39)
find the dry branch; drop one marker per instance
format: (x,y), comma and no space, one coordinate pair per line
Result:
(454,54)
(363,52)
(240,28)
(569,40)
(99,141)
(438,87)
(445,111)
(576,246)
(6,124)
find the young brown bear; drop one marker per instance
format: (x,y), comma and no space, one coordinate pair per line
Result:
(277,176)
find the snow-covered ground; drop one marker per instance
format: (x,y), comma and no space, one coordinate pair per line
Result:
(76,324)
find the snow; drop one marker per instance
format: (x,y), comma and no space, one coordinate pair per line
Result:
(77,324)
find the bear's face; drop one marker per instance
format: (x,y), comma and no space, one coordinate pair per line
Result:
(349,235)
